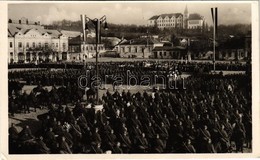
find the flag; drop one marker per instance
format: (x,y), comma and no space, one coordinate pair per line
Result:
(83,20)
(214,14)
(216,20)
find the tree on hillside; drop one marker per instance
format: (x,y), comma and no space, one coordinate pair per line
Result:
(175,41)
(154,29)
(134,31)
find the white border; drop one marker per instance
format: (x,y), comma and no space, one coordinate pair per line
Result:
(4,91)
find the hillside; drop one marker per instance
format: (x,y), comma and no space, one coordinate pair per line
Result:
(134,31)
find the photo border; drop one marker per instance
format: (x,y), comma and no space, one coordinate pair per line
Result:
(4,92)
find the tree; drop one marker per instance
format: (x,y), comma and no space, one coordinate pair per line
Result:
(108,44)
(155,29)
(175,41)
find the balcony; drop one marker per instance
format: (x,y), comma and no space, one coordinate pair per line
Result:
(43,49)
(34,49)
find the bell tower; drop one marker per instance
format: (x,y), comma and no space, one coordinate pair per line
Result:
(185,18)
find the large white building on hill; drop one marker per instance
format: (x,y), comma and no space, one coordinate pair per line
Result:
(178,20)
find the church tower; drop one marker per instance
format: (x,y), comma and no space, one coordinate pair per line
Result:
(185,18)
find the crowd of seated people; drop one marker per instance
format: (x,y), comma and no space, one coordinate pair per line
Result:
(212,115)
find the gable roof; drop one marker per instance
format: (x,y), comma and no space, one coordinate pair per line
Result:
(195,16)
(78,40)
(75,40)
(169,48)
(113,40)
(14,28)
(53,33)
(154,17)
(71,34)
(170,15)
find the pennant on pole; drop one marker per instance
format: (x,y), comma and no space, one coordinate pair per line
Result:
(216,20)
(212,14)
(83,20)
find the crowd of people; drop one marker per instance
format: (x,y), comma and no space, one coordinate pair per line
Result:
(212,115)
(110,70)
(186,65)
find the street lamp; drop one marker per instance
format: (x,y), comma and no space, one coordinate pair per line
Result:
(97,25)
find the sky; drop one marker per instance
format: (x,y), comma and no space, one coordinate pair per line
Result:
(127,12)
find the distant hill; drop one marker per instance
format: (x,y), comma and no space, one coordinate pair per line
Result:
(134,31)
(117,30)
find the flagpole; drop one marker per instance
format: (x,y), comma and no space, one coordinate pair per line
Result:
(214,40)
(214,19)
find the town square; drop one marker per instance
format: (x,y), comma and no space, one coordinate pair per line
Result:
(129,78)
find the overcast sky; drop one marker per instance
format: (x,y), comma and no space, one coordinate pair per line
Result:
(127,12)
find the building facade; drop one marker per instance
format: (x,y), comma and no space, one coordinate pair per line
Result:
(174,20)
(139,48)
(238,49)
(195,21)
(178,20)
(31,43)
(79,50)
(169,52)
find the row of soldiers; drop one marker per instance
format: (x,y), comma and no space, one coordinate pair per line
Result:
(188,66)
(116,69)
(206,118)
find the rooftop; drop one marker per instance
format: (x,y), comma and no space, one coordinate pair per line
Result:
(78,40)
(168,48)
(170,15)
(195,16)
(140,41)
(71,34)
(154,17)
(14,28)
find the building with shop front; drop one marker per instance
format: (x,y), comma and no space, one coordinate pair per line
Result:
(170,52)
(236,48)
(139,47)
(79,50)
(29,42)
